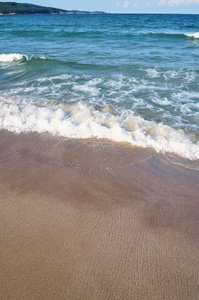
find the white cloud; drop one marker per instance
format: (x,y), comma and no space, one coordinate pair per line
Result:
(192,2)
(135,4)
(126,4)
(162,3)
(148,4)
(118,5)
(177,2)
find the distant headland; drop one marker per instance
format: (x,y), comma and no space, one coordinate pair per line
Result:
(14,8)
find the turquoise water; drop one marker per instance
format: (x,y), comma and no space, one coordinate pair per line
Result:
(128,78)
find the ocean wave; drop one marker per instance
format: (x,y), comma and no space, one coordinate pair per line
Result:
(17,58)
(10,57)
(14,57)
(193,35)
(174,34)
(174,106)
(83,121)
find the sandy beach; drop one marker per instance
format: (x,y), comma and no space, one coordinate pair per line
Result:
(93,219)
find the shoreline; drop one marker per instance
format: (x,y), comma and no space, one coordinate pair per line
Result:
(94,219)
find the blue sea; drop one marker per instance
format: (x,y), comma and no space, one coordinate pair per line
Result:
(124,77)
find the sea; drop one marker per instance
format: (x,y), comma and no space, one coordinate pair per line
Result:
(129,78)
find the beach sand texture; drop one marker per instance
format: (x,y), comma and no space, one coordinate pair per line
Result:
(88,219)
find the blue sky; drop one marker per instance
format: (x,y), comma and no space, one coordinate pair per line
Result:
(123,6)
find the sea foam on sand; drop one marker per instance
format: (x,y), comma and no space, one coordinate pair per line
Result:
(84,121)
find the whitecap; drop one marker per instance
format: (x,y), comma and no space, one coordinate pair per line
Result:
(10,57)
(194,35)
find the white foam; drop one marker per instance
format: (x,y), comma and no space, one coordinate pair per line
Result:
(153,73)
(86,89)
(59,77)
(83,121)
(11,57)
(193,35)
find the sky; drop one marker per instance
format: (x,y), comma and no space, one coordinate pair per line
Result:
(122,6)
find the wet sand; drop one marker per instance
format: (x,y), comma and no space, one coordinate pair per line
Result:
(95,220)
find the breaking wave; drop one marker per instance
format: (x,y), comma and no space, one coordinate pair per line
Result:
(83,121)
(193,35)
(14,57)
